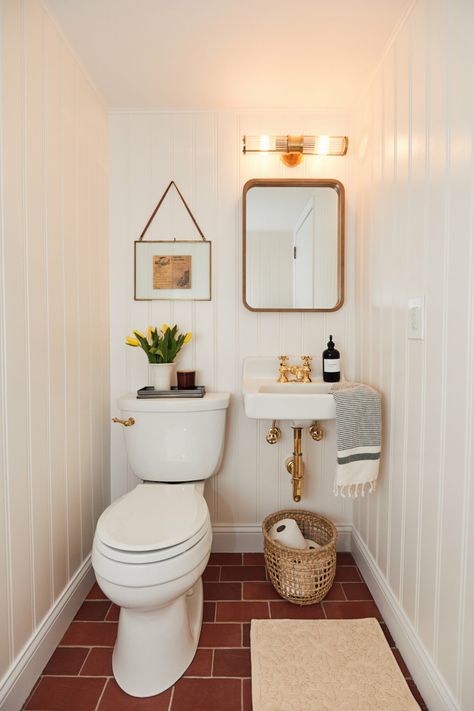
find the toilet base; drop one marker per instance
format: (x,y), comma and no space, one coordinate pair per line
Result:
(155,647)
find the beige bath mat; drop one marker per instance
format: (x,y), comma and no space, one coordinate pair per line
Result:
(325,665)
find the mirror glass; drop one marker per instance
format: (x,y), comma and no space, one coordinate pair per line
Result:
(293,245)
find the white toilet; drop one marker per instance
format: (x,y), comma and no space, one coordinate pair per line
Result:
(151,546)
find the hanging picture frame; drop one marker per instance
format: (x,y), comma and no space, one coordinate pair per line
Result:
(172,269)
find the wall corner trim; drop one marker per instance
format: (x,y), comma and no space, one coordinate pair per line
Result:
(431,684)
(30,662)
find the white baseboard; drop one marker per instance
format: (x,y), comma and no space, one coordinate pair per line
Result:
(22,675)
(245,538)
(431,684)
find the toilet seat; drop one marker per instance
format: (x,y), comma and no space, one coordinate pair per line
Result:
(152,556)
(153,518)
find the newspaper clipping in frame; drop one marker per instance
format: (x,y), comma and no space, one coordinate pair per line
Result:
(172,272)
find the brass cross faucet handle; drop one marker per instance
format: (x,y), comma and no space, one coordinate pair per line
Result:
(283,369)
(301,372)
(306,359)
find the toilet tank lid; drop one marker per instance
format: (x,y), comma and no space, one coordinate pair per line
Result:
(210,401)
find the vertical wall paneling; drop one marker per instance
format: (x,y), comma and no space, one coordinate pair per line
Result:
(414,237)
(202,152)
(6,617)
(16,323)
(54,416)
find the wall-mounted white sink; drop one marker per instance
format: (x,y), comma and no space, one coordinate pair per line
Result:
(267,399)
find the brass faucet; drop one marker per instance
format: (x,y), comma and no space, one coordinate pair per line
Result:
(301,372)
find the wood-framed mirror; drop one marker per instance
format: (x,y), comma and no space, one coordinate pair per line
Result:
(293,245)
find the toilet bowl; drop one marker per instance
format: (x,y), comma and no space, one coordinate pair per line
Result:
(151,545)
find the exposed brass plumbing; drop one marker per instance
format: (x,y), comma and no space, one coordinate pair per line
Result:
(294,465)
(316,431)
(273,434)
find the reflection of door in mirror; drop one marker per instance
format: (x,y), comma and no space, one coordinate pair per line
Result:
(303,277)
(293,242)
(315,256)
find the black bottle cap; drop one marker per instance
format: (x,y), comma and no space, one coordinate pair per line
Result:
(330,343)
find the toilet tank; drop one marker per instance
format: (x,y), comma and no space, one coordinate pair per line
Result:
(175,440)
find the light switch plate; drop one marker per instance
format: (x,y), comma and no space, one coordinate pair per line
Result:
(416,318)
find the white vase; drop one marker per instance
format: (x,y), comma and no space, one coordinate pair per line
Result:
(161,375)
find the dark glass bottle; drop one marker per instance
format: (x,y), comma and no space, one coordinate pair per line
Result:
(331,363)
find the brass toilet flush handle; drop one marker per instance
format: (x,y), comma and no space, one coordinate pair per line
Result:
(125,423)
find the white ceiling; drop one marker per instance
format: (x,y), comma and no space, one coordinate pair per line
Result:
(267,54)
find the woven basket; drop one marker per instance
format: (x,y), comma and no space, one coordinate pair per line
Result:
(302,577)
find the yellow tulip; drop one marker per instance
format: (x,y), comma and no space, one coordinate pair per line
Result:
(139,333)
(131,341)
(164,327)
(150,334)
(188,337)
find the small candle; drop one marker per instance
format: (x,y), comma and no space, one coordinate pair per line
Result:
(186,379)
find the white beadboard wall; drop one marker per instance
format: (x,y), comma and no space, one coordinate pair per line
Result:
(54,391)
(414,226)
(201,151)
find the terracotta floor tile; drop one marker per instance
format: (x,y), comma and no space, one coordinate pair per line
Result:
(256,590)
(241,611)
(93,610)
(357,591)
(351,610)
(387,634)
(114,699)
(201,664)
(66,693)
(284,610)
(113,613)
(212,572)
(225,559)
(231,662)
(66,660)
(222,591)
(207,695)
(345,558)
(336,592)
(236,590)
(254,559)
(247,695)
(99,662)
(347,574)
(90,634)
(220,635)
(241,572)
(403,667)
(95,593)
(209,612)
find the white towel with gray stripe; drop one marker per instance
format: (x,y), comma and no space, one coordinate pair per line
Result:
(358,429)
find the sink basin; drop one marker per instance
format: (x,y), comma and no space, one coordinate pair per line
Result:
(266,398)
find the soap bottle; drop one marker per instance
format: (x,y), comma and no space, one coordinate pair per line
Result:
(331,363)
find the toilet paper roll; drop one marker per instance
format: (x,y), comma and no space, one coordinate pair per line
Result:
(311,545)
(287,533)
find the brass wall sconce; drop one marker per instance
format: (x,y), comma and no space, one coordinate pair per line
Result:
(293,148)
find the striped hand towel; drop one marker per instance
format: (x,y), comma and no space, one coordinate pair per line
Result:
(358,429)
